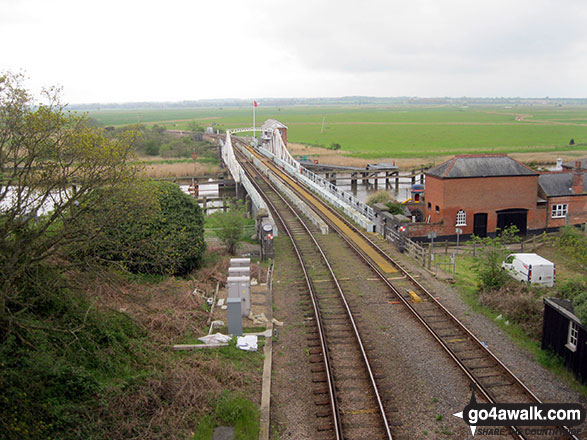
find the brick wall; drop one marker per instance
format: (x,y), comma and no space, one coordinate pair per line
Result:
(576,206)
(480,195)
(283,132)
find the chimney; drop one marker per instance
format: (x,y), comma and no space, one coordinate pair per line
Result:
(577,182)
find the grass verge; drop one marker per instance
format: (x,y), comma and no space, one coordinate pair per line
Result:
(467,287)
(231,409)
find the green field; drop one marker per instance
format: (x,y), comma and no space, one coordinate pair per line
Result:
(406,131)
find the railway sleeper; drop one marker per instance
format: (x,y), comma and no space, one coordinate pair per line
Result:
(323,413)
(321,401)
(451,335)
(471,358)
(318,391)
(485,376)
(324,427)
(480,367)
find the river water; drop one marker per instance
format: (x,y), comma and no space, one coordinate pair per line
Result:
(362,190)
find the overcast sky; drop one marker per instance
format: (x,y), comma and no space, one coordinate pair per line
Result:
(129,50)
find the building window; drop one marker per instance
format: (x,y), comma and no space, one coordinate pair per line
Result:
(559,211)
(461,218)
(429,205)
(437,209)
(573,336)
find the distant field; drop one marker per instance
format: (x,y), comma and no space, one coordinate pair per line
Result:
(402,132)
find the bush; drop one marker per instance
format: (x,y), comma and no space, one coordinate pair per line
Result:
(228,226)
(576,291)
(152,147)
(573,242)
(395,208)
(53,366)
(378,197)
(164,235)
(490,254)
(519,305)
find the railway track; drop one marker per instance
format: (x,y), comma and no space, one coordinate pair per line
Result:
(493,380)
(345,382)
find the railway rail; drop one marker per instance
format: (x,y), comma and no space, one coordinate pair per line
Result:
(494,381)
(341,367)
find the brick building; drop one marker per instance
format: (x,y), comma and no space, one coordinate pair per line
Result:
(481,193)
(565,192)
(272,124)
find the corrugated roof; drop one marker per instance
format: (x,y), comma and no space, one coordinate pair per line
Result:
(481,166)
(559,184)
(272,124)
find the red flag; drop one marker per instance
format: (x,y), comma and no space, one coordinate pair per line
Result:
(255,103)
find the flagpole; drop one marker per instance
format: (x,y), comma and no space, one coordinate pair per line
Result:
(254,122)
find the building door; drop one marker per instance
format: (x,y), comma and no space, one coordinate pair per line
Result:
(480,224)
(515,217)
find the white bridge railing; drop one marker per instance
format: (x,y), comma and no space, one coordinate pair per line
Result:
(238,174)
(277,151)
(242,130)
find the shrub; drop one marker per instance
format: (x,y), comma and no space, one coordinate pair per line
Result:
(378,197)
(53,367)
(395,208)
(228,226)
(576,291)
(163,235)
(573,242)
(519,304)
(490,254)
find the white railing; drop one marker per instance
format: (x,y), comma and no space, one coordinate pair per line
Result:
(238,174)
(356,209)
(277,151)
(242,130)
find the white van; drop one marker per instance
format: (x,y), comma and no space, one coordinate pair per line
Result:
(531,268)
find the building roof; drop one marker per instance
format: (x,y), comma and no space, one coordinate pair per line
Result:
(486,165)
(272,124)
(564,306)
(559,184)
(571,163)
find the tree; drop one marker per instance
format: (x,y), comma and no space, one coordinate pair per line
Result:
(228,226)
(51,164)
(490,253)
(194,127)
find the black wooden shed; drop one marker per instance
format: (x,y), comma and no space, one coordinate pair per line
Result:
(563,333)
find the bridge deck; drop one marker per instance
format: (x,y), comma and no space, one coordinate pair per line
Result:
(310,198)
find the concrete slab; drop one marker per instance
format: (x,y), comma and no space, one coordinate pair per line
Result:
(223,433)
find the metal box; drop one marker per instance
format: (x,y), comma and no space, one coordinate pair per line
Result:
(235,319)
(240,262)
(240,287)
(239,271)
